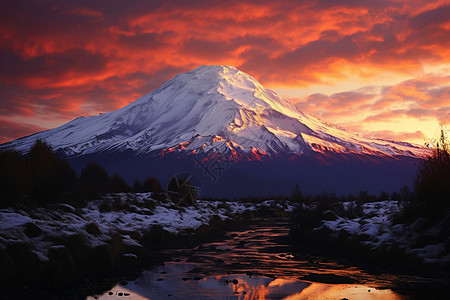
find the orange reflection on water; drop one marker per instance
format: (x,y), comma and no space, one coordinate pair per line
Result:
(245,290)
(319,291)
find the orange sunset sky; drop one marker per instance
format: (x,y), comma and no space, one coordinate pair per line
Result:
(380,68)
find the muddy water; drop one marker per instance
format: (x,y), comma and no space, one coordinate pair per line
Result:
(252,263)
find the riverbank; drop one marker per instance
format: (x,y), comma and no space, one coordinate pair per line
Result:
(254,261)
(371,236)
(49,251)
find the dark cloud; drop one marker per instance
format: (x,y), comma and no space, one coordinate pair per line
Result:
(206,49)
(431,18)
(49,67)
(143,41)
(10,130)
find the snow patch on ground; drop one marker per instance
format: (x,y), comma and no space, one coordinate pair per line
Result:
(127,213)
(375,228)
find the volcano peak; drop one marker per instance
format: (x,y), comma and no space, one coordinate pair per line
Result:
(210,101)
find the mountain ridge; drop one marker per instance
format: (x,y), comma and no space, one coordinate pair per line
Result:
(211,107)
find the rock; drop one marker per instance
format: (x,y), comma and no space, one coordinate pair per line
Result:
(92,228)
(135,235)
(117,245)
(32,230)
(328,278)
(7,269)
(129,258)
(63,207)
(156,234)
(134,248)
(82,254)
(105,207)
(129,264)
(329,215)
(104,258)
(235,281)
(61,266)
(27,265)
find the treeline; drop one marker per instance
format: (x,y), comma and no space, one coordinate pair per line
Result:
(41,177)
(361,197)
(429,197)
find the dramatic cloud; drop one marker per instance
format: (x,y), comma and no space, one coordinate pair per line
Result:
(62,59)
(10,130)
(414,108)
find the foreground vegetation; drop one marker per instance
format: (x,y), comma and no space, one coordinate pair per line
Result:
(41,177)
(409,228)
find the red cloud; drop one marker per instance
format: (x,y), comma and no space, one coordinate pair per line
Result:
(71,58)
(393,135)
(10,130)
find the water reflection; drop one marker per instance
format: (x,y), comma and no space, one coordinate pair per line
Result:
(251,264)
(239,287)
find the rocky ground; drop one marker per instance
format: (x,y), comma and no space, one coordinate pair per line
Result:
(58,247)
(371,230)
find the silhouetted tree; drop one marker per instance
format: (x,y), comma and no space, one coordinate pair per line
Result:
(152,184)
(94,180)
(383,196)
(137,186)
(53,180)
(15,177)
(432,185)
(117,184)
(297,195)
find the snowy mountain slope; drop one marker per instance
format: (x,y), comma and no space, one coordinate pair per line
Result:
(211,106)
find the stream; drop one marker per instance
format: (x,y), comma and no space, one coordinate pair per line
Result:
(253,263)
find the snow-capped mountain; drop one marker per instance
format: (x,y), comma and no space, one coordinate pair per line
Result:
(211,106)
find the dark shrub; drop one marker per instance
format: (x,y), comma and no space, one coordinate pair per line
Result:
(117,184)
(297,195)
(137,186)
(53,180)
(152,184)
(15,177)
(431,196)
(432,185)
(94,180)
